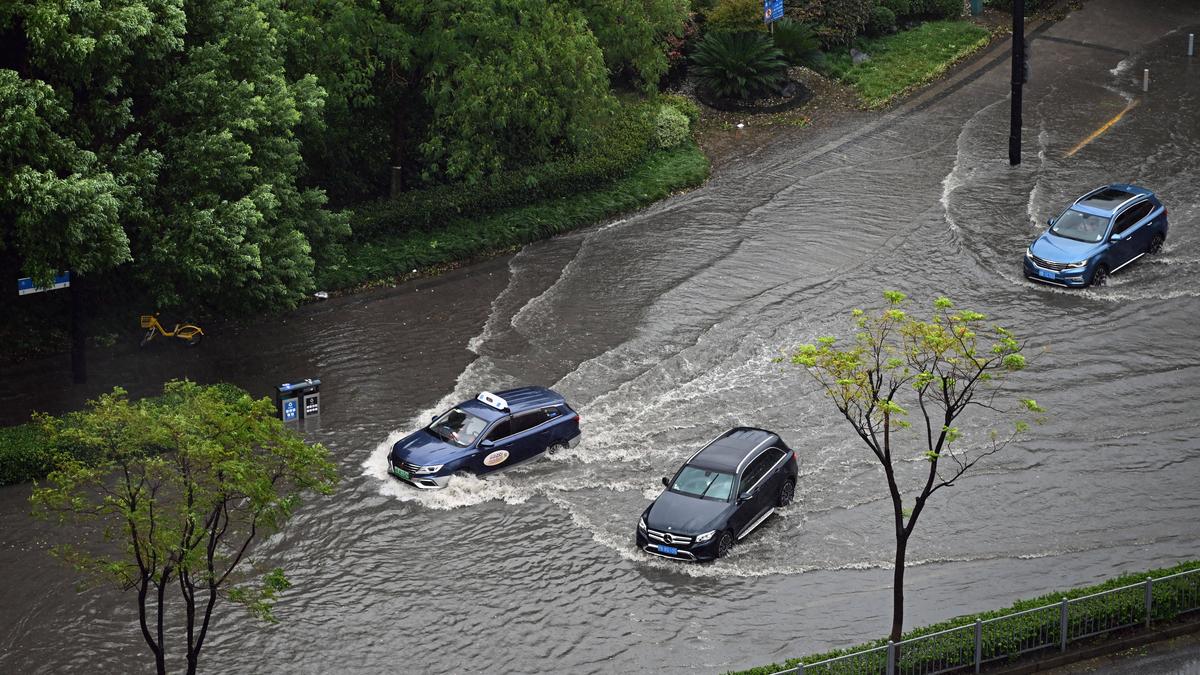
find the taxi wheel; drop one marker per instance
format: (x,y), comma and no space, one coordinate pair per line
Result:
(1100,276)
(724,544)
(787,493)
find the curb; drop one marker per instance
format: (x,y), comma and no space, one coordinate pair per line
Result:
(1106,647)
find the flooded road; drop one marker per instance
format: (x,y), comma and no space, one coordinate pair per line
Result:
(661,329)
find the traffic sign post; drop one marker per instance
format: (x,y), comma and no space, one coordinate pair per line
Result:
(25,285)
(772,11)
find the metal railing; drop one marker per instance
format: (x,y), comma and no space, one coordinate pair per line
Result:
(967,648)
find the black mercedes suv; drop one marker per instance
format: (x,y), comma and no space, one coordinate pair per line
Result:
(728,488)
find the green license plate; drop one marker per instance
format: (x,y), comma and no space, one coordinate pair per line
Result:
(401,473)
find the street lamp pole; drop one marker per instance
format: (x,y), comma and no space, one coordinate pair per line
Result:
(1018,79)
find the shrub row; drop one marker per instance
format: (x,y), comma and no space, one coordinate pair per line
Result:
(625,142)
(660,174)
(1025,629)
(27,453)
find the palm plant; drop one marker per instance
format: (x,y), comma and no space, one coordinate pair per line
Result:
(798,41)
(739,66)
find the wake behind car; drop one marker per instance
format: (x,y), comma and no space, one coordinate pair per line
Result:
(724,491)
(1100,233)
(485,434)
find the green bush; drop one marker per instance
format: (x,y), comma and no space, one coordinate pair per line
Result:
(883,21)
(684,105)
(25,454)
(900,8)
(658,175)
(670,128)
(735,16)
(739,66)
(798,41)
(837,22)
(625,141)
(944,9)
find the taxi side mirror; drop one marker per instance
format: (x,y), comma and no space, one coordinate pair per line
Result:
(487,443)
(666,482)
(1051,221)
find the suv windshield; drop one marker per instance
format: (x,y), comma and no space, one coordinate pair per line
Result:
(458,427)
(1080,226)
(704,483)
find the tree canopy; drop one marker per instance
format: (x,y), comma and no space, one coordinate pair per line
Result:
(935,370)
(184,484)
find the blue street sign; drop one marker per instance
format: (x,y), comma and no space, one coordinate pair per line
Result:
(25,286)
(291,409)
(772,10)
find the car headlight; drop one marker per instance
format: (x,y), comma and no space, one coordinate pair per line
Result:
(429,469)
(1077,265)
(642,524)
(1029,252)
(705,537)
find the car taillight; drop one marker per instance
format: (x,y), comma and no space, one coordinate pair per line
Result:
(576,418)
(794,457)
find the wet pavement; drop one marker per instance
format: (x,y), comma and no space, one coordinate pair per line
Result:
(661,328)
(1176,656)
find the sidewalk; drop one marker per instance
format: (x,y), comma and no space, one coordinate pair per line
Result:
(1176,656)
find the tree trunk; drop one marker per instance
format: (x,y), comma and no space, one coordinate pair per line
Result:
(159,660)
(898,587)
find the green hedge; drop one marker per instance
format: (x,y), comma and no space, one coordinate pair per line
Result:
(659,175)
(1042,625)
(26,452)
(626,143)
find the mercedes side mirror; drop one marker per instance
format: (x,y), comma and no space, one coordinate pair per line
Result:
(666,482)
(744,497)
(1051,221)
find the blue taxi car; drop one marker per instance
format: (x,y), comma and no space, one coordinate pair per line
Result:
(1099,234)
(485,434)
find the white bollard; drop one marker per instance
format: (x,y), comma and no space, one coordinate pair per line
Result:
(1146,80)
(1191,44)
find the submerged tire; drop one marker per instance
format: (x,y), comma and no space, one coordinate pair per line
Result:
(1100,277)
(787,492)
(724,544)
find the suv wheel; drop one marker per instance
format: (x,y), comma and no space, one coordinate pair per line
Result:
(1100,276)
(1155,245)
(724,544)
(787,493)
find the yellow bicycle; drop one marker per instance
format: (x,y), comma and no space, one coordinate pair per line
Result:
(189,333)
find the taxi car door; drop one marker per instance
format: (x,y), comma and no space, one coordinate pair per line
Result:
(531,435)
(495,448)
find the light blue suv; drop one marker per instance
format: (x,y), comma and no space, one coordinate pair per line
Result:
(1100,233)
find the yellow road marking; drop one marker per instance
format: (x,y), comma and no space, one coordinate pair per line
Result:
(1096,134)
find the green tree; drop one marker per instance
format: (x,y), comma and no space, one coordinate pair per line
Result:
(162,133)
(71,166)
(361,54)
(506,83)
(183,484)
(229,224)
(943,366)
(632,35)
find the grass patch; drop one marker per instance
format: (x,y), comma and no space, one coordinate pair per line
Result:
(906,60)
(389,256)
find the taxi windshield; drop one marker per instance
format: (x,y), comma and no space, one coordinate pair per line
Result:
(458,426)
(703,483)
(1080,226)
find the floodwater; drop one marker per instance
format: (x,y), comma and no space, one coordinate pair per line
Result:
(662,329)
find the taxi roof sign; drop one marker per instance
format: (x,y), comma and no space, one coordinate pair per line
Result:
(493,400)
